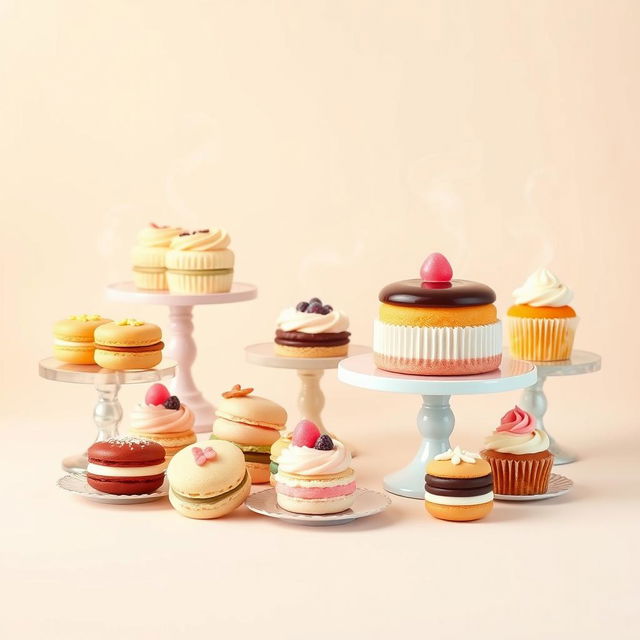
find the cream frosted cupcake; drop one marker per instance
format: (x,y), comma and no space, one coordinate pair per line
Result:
(162,418)
(312,330)
(200,262)
(148,256)
(314,474)
(541,323)
(519,455)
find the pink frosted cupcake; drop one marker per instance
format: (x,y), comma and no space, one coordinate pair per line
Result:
(519,455)
(162,418)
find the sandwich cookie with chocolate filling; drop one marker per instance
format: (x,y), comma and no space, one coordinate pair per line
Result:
(128,344)
(458,486)
(312,330)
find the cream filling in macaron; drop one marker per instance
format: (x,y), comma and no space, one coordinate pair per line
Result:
(126,472)
(68,343)
(459,501)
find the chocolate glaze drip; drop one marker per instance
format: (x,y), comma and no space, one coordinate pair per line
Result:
(457,293)
(300,339)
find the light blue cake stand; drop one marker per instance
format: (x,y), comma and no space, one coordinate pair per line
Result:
(435,418)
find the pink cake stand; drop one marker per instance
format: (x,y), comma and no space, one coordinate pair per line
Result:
(181,346)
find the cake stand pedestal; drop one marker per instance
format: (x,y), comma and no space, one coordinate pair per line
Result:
(310,371)
(534,399)
(435,418)
(180,345)
(107,412)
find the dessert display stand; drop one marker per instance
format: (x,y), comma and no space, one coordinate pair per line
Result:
(310,371)
(108,411)
(534,399)
(181,346)
(435,418)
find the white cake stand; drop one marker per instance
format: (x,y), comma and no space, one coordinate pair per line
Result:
(435,418)
(310,371)
(534,399)
(181,345)
(108,412)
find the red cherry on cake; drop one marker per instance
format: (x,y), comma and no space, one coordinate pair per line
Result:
(436,268)
(305,434)
(157,395)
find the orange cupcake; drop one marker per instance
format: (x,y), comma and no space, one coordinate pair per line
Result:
(519,456)
(541,324)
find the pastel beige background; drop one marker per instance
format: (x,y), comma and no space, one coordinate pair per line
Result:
(339,143)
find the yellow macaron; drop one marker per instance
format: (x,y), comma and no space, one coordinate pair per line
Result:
(128,344)
(74,338)
(208,479)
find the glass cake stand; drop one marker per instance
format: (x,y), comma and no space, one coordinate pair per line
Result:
(107,412)
(534,399)
(435,418)
(180,345)
(310,371)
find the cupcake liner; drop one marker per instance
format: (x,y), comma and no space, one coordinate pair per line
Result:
(541,339)
(437,350)
(191,283)
(519,476)
(200,260)
(153,281)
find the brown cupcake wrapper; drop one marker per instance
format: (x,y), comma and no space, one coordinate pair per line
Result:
(516,477)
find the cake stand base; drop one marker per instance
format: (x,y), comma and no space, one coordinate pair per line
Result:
(535,402)
(75,464)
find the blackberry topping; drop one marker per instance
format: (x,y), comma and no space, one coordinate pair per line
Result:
(172,402)
(324,443)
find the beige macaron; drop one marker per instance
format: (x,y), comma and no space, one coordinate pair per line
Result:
(208,479)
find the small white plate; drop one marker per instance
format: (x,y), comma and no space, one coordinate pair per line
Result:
(558,485)
(78,484)
(367,503)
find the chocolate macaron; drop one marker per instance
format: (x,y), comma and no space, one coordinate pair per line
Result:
(126,466)
(458,486)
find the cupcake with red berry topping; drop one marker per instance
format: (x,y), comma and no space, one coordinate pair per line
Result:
(148,256)
(162,418)
(519,455)
(312,329)
(314,473)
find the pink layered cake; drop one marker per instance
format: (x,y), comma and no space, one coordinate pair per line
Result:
(162,418)
(436,325)
(314,473)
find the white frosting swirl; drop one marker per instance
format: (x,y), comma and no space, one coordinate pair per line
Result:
(213,240)
(305,461)
(146,418)
(543,289)
(504,442)
(157,236)
(458,455)
(292,320)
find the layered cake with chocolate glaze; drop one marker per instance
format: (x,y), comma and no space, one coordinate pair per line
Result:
(437,325)
(312,329)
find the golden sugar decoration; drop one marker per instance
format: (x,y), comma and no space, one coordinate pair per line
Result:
(237,392)
(83,317)
(130,322)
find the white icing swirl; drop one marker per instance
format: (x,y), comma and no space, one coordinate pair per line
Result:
(213,240)
(305,461)
(543,289)
(292,320)
(504,442)
(147,418)
(157,236)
